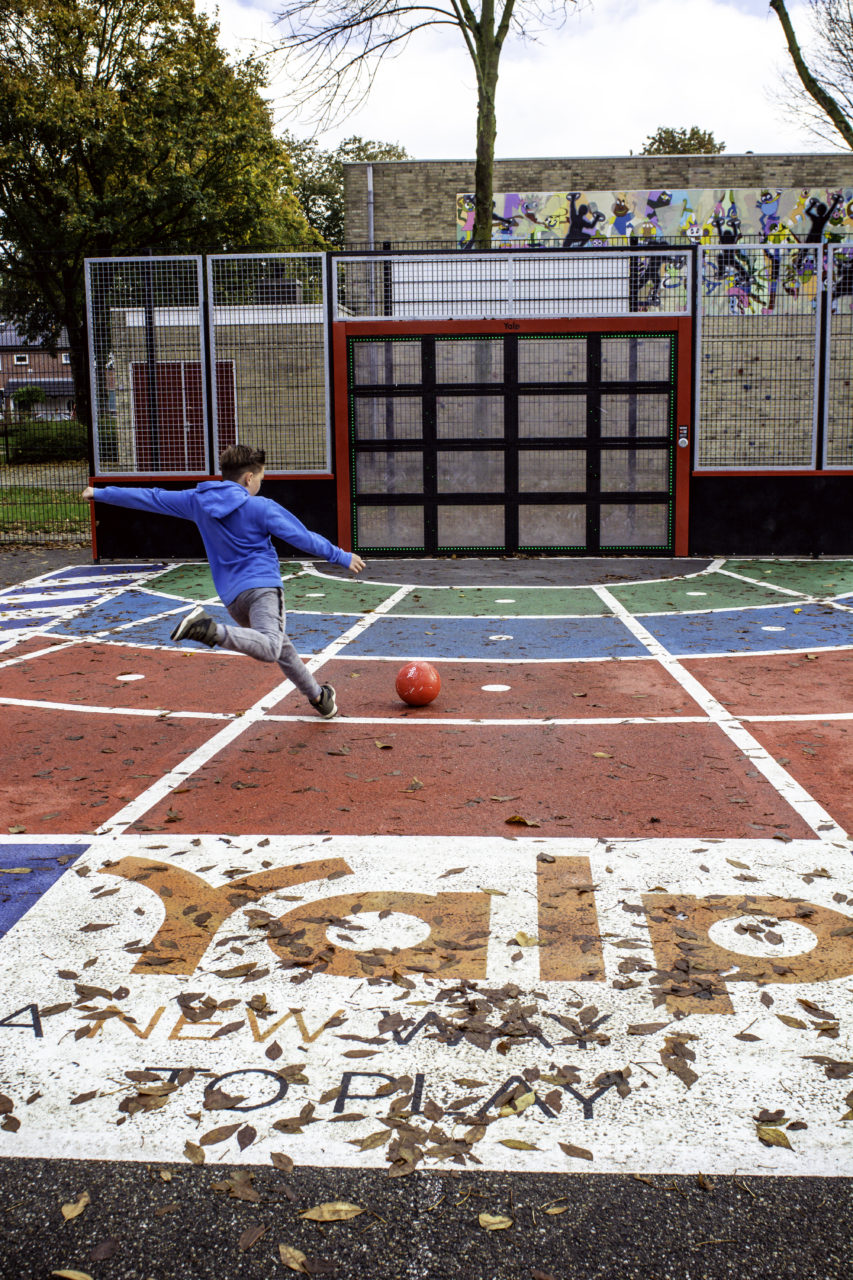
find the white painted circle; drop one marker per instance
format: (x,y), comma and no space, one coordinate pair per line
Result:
(696,593)
(500,637)
(773,628)
(496,688)
(796,938)
(396,930)
(127,678)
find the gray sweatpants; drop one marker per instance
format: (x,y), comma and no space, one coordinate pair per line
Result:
(260,633)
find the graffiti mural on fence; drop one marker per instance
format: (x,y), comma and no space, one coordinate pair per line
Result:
(574,219)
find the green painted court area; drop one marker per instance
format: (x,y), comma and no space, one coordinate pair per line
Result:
(491,602)
(812,577)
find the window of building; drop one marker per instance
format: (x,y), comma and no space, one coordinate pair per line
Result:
(22,359)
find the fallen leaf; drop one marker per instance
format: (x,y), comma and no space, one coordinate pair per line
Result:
(251,1236)
(292,1258)
(222,1134)
(281,1161)
(15,871)
(576,1153)
(106,1249)
(792,1022)
(72,1275)
(494,1221)
(772,1137)
(332,1211)
(525,940)
(515,1144)
(70,1211)
(194,1152)
(602,755)
(246,1136)
(522,822)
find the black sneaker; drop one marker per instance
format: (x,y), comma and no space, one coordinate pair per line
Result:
(197,625)
(325,704)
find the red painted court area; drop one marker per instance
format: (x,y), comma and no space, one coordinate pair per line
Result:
(782,683)
(625,780)
(455,767)
(69,771)
(520,690)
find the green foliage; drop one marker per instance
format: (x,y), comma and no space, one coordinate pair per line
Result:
(666,141)
(25,397)
(123,126)
(33,442)
(319,175)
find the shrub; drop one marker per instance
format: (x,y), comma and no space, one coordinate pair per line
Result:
(33,442)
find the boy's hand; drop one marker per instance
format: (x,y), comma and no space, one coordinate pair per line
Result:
(87,493)
(356,564)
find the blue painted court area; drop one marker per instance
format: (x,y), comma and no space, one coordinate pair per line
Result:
(794,626)
(136,617)
(497,638)
(26,872)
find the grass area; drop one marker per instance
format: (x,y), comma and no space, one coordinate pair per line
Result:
(34,509)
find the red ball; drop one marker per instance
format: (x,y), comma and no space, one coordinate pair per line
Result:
(418,683)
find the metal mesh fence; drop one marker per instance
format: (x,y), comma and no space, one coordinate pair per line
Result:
(483,286)
(268,342)
(758,318)
(838,438)
(146,342)
(43,447)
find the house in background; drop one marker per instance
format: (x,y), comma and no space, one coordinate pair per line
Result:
(28,364)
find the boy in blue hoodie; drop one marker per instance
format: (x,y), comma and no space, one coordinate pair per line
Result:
(235,526)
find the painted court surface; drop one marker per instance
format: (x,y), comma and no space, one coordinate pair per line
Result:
(589,910)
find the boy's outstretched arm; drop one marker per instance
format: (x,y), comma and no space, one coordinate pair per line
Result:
(167,502)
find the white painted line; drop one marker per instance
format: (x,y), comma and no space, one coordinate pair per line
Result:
(791,791)
(412,718)
(149,713)
(41,597)
(197,759)
(42,839)
(771,586)
(505,662)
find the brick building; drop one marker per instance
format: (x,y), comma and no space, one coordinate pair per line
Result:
(28,364)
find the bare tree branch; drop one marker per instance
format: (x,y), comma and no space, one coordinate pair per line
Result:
(819,92)
(335,47)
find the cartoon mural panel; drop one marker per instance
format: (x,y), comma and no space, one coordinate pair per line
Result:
(576,219)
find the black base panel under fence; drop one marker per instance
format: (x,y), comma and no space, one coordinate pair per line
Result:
(125,534)
(771,515)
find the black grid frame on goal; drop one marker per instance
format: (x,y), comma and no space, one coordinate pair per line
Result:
(501,443)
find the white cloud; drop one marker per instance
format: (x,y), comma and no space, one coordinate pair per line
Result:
(614,73)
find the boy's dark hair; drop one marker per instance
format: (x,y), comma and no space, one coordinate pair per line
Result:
(240,458)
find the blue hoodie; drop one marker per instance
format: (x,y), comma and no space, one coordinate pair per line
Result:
(235,529)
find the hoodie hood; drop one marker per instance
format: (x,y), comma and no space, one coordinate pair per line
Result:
(218,498)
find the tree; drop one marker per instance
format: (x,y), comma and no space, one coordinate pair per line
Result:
(123,126)
(337,46)
(827,100)
(666,141)
(319,178)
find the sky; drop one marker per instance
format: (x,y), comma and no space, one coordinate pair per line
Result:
(600,85)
